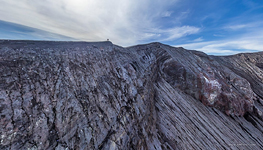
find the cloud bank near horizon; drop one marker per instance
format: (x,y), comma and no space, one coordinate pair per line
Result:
(243,42)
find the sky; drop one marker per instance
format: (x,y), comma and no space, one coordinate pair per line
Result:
(217,27)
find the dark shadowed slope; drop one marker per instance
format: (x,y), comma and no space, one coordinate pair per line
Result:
(79,95)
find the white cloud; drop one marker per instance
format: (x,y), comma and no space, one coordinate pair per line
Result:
(245,26)
(170,34)
(122,21)
(198,39)
(179,32)
(236,27)
(167,13)
(248,43)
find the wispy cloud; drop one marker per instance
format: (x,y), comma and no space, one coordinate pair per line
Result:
(167,13)
(121,21)
(19,32)
(198,39)
(170,34)
(244,26)
(248,43)
(237,27)
(178,32)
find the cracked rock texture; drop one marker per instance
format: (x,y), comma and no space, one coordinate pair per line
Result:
(79,95)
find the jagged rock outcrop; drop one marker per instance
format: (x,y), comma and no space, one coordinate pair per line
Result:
(79,95)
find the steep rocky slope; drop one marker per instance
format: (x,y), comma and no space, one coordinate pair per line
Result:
(79,95)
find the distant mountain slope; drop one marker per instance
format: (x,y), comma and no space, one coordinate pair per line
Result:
(80,95)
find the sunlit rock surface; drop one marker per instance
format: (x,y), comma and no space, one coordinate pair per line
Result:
(79,95)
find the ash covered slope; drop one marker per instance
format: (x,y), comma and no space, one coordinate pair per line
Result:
(78,95)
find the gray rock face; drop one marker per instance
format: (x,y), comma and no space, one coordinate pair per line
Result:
(79,95)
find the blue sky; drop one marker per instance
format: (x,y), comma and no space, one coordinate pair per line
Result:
(219,27)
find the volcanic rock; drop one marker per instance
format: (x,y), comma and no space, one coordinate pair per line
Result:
(97,95)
